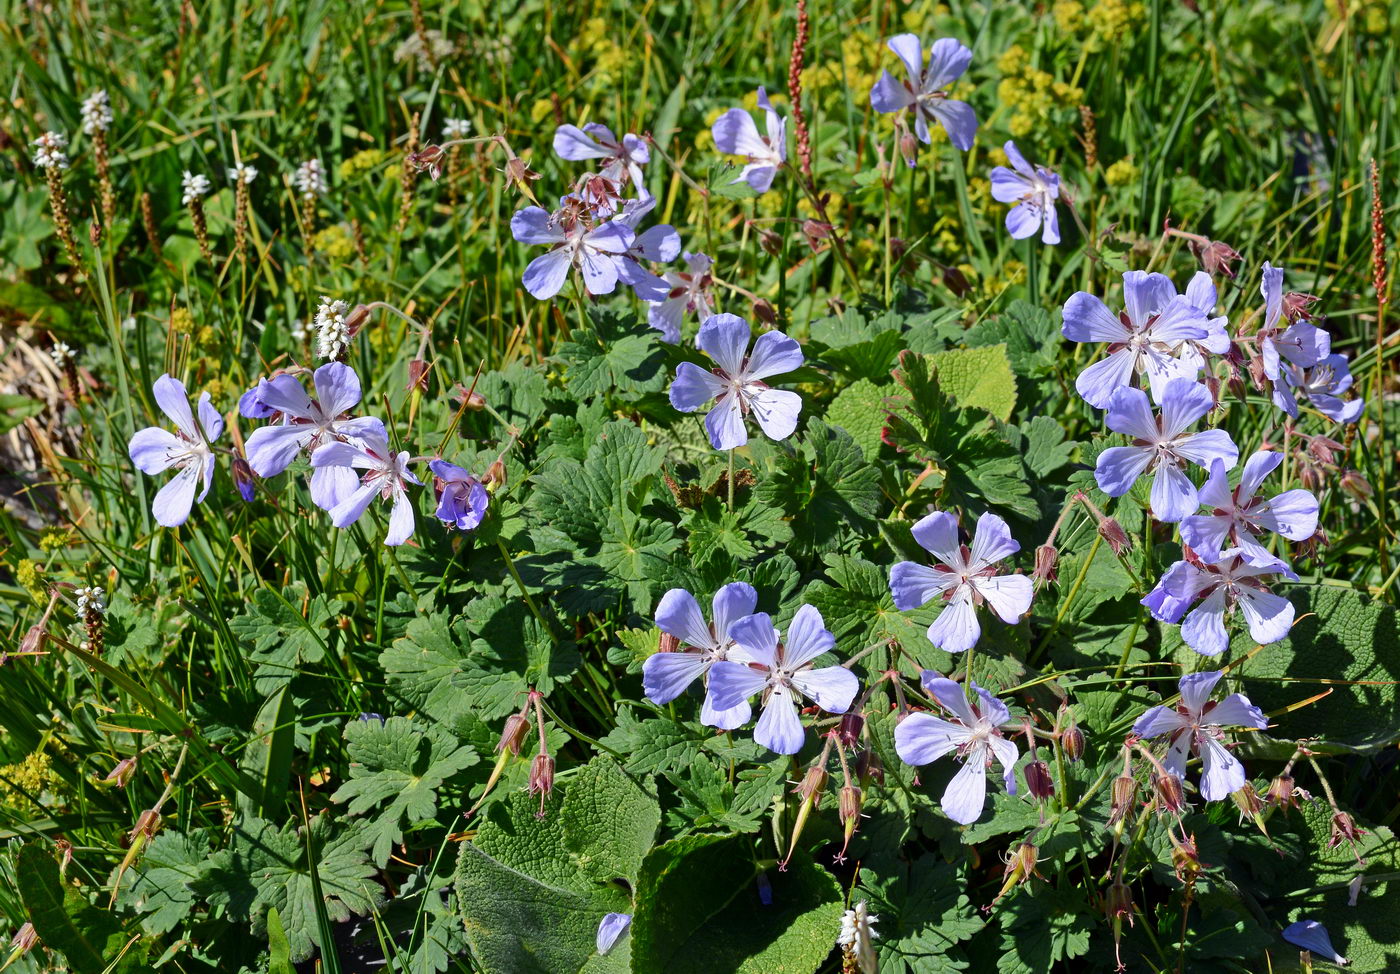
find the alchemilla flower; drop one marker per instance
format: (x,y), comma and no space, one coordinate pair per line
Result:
(973,734)
(735,385)
(1239,516)
(963,578)
(155,450)
(781,670)
(462,498)
(622,157)
(1162,445)
(1146,338)
(1323,386)
(593,250)
(699,645)
(1229,582)
(924,91)
(1034,191)
(385,475)
(96,112)
(736,134)
(1195,724)
(49,151)
(690,292)
(193,186)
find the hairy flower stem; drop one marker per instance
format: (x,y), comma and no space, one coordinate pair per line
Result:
(730,479)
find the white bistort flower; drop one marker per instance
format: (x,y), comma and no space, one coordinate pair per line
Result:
(242,173)
(857,936)
(332,333)
(96,111)
(49,151)
(310,179)
(193,186)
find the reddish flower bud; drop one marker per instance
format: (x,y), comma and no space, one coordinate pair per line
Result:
(1356,485)
(542,779)
(1296,305)
(909,148)
(25,938)
(513,734)
(121,774)
(1124,798)
(1046,557)
(815,231)
(812,785)
(356,319)
(1324,448)
(669,643)
(957,282)
(1170,796)
(495,475)
(1113,533)
(765,312)
(771,242)
(33,641)
(1038,780)
(417,375)
(1216,258)
(429,159)
(1072,741)
(848,804)
(849,729)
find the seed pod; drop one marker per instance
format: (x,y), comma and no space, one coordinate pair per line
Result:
(513,734)
(1046,557)
(848,809)
(1247,800)
(121,774)
(1356,485)
(417,375)
(1038,780)
(812,785)
(542,779)
(1170,795)
(849,729)
(1072,741)
(1124,798)
(1114,534)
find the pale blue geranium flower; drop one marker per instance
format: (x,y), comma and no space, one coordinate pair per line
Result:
(1146,338)
(1323,386)
(1162,445)
(155,450)
(593,250)
(1033,190)
(385,474)
(610,930)
(1195,724)
(924,92)
(1230,582)
(1312,936)
(1238,516)
(1202,296)
(736,134)
(963,578)
(972,734)
(660,244)
(781,670)
(689,291)
(735,386)
(462,498)
(701,644)
(1301,343)
(625,156)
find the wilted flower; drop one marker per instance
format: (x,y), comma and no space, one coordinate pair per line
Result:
(462,498)
(310,180)
(1216,257)
(735,385)
(1161,444)
(242,174)
(622,157)
(1312,936)
(1146,338)
(736,134)
(857,936)
(541,780)
(1323,386)
(1232,581)
(154,450)
(1033,190)
(964,578)
(1301,343)
(612,927)
(96,111)
(1195,724)
(193,186)
(1239,516)
(689,292)
(972,734)
(665,676)
(49,151)
(386,475)
(593,250)
(925,90)
(307,424)
(782,672)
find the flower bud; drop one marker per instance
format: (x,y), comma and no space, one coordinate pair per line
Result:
(1038,780)
(542,779)
(771,242)
(909,148)
(815,231)
(1236,386)
(417,375)
(1046,557)
(1324,448)
(1113,533)
(33,641)
(24,939)
(495,475)
(1284,793)
(1124,798)
(121,774)
(669,643)
(956,281)
(1296,305)
(513,734)
(1356,485)
(849,729)
(1072,741)
(765,312)
(1170,796)
(243,479)
(469,399)
(356,319)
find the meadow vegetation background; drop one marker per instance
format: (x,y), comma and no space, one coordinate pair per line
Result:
(264,747)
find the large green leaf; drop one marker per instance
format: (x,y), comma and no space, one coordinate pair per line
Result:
(88,938)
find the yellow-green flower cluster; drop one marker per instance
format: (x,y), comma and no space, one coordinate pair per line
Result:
(609,58)
(1122,173)
(23,782)
(1099,24)
(335,242)
(54,539)
(31,578)
(182,321)
(858,67)
(1034,96)
(363,161)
